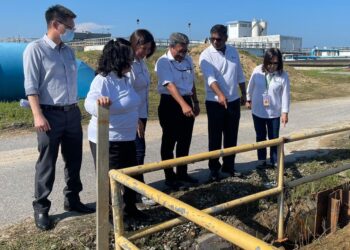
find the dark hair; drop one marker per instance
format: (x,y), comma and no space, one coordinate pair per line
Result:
(141,37)
(58,12)
(117,55)
(219,29)
(178,38)
(269,54)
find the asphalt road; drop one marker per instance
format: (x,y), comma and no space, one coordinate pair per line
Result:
(18,155)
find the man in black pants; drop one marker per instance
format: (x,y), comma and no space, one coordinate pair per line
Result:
(223,75)
(51,86)
(178,105)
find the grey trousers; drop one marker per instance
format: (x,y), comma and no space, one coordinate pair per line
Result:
(66,131)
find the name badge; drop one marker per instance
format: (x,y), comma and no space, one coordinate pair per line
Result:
(266,100)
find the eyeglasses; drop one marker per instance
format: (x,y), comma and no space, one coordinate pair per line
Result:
(66,25)
(212,39)
(273,63)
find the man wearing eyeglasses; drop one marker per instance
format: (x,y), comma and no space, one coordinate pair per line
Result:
(50,81)
(178,106)
(223,74)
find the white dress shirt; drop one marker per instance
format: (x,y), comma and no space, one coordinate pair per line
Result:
(140,80)
(179,73)
(225,69)
(278,90)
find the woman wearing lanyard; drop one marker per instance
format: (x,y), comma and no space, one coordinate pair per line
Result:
(268,96)
(143,45)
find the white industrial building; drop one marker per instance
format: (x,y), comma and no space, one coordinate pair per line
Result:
(253,35)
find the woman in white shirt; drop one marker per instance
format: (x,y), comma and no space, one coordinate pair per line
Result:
(268,95)
(111,87)
(143,45)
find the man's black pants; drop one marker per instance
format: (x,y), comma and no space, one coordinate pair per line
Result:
(66,131)
(177,130)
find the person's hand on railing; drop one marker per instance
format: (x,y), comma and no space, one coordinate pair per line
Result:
(104,101)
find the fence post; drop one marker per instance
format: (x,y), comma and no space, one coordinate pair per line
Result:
(280,183)
(102,180)
(117,207)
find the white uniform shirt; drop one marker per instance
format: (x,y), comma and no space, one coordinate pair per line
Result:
(278,91)
(179,73)
(225,69)
(123,112)
(140,80)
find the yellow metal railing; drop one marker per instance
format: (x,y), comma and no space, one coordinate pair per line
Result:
(187,212)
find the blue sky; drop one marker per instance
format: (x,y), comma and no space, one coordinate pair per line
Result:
(320,23)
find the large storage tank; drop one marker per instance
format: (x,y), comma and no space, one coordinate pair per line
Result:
(12,78)
(255,28)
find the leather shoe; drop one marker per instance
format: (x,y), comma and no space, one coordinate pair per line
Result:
(214,177)
(187,178)
(173,184)
(133,212)
(42,221)
(78,207)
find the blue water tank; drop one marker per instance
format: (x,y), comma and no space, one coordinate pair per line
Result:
(12,78)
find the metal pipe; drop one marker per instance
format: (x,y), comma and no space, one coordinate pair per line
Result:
(125,243)
(210,223)
(317,176)
(303,136)
(199,157)
(117,208)
(280,181)
(211,210)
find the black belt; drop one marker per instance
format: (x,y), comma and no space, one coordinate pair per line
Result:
(64,108)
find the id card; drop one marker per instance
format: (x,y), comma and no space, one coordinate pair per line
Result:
(266,100)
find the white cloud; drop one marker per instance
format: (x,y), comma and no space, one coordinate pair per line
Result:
(92,27)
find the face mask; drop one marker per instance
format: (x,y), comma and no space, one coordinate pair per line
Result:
(67,36)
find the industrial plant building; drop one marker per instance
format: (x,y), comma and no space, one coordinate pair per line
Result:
(253,36)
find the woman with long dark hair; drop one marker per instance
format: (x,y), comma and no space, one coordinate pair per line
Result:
(268,96)
(111,87)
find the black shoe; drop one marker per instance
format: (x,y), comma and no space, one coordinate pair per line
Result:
(228,171)
(214,177)
(187,178)
(42,221)
(173,184)
(262,165)
(78,207)
(134,213)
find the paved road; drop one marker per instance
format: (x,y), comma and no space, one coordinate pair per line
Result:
(18,155)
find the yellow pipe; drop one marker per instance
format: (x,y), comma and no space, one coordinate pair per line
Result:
(302,136)
(210,223)
(124,243)
(117,209)
(280,181)
(211,210)
(150,167)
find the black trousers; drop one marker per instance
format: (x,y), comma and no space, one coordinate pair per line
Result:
(66,131)
(122,154)
(177,131)
(223,123)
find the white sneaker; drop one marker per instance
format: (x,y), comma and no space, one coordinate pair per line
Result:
(147,201)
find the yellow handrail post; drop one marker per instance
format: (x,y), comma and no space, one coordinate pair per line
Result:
(117,208)
(280,183)
(102,168)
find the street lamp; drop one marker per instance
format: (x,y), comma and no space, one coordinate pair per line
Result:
(189,31)
(137,21)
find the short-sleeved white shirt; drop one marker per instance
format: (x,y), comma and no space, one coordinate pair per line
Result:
(179,73)
(140,80)
(225,69)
